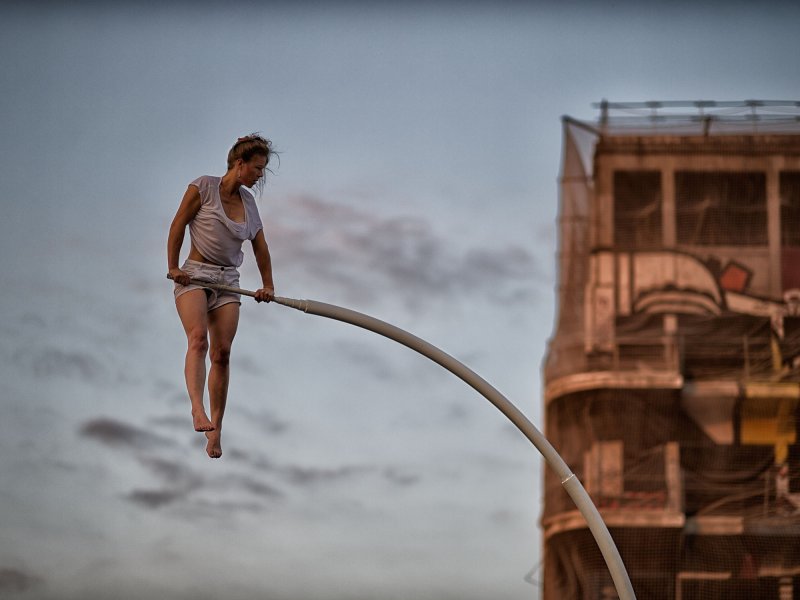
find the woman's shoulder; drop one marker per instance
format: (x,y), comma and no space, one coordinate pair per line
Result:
(205,181)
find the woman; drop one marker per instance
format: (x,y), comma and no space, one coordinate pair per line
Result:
(221,213)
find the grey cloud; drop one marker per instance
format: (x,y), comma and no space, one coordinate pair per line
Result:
(121,435)
(223,508)
(332,212)
(353,251)
(178,480)
(511,262)
(164,387)
(250,366)
(367,358)
(180,483)
(503,517)
(32,320)
(63,464)
(170,392)
(238,455)
(266,421)
(179,398)
(174,421)
(457,412)
(400,478)
(16,580)
(313,476)
(518,296)
(25,324)
(302,475)
(156,498)
(55,362)
(263,471)
(173,472)
(258,488)
(309,476)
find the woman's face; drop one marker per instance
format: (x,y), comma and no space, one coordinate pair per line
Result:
(252,170)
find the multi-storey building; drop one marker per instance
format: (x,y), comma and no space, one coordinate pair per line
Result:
(673,374)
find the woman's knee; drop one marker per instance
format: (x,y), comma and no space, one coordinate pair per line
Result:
(198,341)
(221,354)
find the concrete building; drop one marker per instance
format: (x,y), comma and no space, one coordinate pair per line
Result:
(672,380)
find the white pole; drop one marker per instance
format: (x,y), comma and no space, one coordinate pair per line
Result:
(568,479)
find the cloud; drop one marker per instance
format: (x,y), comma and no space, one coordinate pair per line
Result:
(179,484)
(177,474)
(265,421)
(173,421)
(256,487)
(261,494)
(117,434)
(310,476)
(503,517)
(304,476)
(16,580)
(250,366)
(301,475)
(177,479)
(223,507)
(55,362)
(365,357)
(355,253)
(399,477)
(156,498)
(457,412)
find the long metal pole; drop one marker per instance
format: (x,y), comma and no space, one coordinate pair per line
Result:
(568,479)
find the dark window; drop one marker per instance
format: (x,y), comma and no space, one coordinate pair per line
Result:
(721,208)
(790,208)
(637,210)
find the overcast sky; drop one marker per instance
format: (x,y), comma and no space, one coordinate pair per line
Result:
(420,147)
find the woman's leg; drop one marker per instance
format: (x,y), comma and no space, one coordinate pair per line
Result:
(192,309)
(222,324)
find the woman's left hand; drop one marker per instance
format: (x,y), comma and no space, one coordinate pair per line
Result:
(265,294)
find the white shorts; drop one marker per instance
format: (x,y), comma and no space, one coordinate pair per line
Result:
(212,274)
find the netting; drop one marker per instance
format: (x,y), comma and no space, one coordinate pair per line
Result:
(673,373)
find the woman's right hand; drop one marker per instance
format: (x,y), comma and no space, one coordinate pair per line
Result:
(179,276)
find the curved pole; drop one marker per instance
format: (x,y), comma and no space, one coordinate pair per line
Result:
(568,479)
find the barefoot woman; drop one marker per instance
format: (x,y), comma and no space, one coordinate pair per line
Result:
(221,214)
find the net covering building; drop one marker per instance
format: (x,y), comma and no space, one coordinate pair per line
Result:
(672,378)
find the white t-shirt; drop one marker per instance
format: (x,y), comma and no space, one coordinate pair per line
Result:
(213,234)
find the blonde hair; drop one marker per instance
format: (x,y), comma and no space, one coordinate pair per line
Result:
(249,146)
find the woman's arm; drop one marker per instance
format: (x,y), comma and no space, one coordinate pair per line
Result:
(264,262)
(186,212)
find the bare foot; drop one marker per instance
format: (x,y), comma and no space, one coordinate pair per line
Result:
(214,446)
(201,421)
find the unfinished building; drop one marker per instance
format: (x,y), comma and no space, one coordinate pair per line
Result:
(672,379)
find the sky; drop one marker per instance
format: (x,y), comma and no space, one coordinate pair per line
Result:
(420,149)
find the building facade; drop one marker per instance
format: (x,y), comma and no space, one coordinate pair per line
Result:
(672,379)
